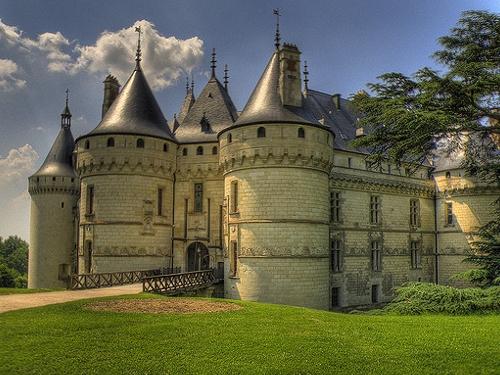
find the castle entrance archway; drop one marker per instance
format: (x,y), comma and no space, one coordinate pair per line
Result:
(197,257)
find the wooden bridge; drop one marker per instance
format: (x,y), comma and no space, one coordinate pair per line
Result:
(181,282)
(168,281)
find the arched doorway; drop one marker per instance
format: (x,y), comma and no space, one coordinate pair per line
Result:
(197,257)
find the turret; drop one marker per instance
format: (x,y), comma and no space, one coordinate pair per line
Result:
(54,191)
(126,166)
(111,91)
(273,157)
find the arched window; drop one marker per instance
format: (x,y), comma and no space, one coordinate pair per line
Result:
(87,144)
(448,175)
(111,142)
(184,151)
(140,143)
(229,138)
(199,150)
(301,133)
(165,147)
(214,150)
(261,132)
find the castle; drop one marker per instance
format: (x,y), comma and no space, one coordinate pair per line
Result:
(275,196)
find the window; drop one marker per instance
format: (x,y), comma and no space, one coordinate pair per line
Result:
(184,151)
(90,200)
(415,254)
(62,204)
(53,178)
(375,214)
(198,197)
(349,162)
(335,297)
(374,293)
(87,144)
(233,263)
(199,150)
(160,202)
(336,254)
(335,206)
(261,132)
(214,150)
(301,133)
(234,196)
(111,142)
(140,143)
(229,138)
(448,175)
(449,213)
(165,147)
(376,256)
(415,213)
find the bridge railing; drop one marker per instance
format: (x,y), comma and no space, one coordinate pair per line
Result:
(101,280)
(180,282)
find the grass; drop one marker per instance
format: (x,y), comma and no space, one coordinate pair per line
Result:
(4,291)
(258,339)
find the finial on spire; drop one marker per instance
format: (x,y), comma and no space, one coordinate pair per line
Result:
(277,39)
(226,77)
(192,82)
(138,53)
(212,62)
(187,85)
(306,75)
(66,114)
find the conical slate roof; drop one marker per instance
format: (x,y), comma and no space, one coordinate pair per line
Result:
(135,111)
(265,105)
(212,112)
(59,160)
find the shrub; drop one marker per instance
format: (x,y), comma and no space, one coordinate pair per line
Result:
(7,277)
(422,298)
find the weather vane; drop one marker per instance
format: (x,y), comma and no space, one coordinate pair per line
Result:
(138,53)
(276,12)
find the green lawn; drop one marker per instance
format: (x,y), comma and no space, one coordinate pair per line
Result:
(4,291)
(257,339)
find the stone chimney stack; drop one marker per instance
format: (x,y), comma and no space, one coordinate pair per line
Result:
(290,80)
(111,91)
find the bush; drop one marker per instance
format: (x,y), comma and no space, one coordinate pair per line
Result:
(7,277)
(423,298)
(21,281)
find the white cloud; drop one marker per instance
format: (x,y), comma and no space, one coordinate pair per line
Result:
(17,165)
(15,216)
(8,76)
(165,58)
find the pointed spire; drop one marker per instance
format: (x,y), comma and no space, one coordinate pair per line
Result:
(277,38)
(212,63)
(138,54)
(306,75)
(66,114)
(226,77)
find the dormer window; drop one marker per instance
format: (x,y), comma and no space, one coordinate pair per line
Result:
(261,132)
(140,143)
(205,124)
(111,142)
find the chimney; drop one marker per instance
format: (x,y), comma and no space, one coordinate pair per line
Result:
(336,101)
(290,81)
(111,91)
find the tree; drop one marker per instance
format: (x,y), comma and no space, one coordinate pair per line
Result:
(7,277)
(406,117)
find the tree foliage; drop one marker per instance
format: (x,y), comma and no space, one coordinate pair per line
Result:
(13,262)
(406,117)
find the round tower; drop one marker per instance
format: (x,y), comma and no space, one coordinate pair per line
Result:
(276,160)
(54,194)
(126,166)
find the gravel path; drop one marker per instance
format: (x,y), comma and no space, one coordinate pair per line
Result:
(24,301)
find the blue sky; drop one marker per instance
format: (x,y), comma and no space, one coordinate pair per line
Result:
(52,45)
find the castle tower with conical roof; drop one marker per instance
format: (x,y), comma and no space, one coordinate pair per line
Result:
(54,191)
(126,165)
(276,160)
